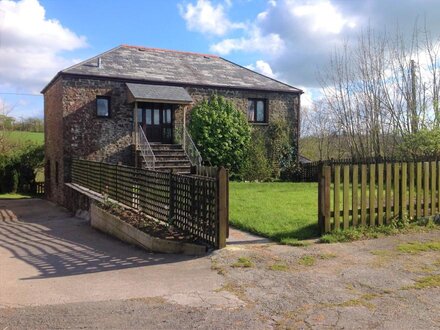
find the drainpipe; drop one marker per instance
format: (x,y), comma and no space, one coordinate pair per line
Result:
(136,134)
(184,127)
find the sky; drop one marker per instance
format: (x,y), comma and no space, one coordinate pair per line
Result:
(290,40)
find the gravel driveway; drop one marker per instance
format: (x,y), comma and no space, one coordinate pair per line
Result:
(376,284)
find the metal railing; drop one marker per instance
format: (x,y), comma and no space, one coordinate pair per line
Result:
(190,147)
(145,149)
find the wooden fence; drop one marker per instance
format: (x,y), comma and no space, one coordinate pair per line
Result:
(194,203)
(35,189)
(376,194)
(309,172)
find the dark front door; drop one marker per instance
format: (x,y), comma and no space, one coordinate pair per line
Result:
(157,121)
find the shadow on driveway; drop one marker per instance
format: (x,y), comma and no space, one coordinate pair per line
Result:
(45,236)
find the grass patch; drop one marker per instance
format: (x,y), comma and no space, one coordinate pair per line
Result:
(279,267)
(14,196)
(282,211)
(294,242)
(23,137)
(307,261)
(326,256)
(417,247)
(360,233)
(364,301)
(432,281)
(243,262)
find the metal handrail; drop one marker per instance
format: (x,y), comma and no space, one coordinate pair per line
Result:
(190,149)
(145,148)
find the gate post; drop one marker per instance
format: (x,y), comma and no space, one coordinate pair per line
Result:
(324,199)
(222,207)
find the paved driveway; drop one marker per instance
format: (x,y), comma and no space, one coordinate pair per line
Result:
(49,257)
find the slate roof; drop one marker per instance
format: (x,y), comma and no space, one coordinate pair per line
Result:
(159,93)
(174,67)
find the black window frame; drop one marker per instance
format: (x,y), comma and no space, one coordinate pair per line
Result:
(101,97)
(266,111)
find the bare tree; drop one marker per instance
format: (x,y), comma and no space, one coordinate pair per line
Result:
(382,88)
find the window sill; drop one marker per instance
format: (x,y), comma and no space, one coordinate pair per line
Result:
(258,124)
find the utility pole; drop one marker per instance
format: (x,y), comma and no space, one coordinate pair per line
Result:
(413,103)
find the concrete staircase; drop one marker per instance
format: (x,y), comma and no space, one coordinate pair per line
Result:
(169,157)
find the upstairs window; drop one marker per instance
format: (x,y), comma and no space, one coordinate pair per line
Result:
(257,111)
(103,106)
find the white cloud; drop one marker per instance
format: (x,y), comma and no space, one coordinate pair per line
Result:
(255,41)
(31,44)
(322,17)
(263,68)
(207,18)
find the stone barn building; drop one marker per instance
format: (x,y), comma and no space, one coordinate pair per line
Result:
(130,105)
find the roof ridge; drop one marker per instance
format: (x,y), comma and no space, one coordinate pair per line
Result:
(168,50)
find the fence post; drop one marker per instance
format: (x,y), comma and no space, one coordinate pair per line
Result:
(222,207)
(172,198)
(324,199)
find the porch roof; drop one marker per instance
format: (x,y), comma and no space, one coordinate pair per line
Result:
(158,93)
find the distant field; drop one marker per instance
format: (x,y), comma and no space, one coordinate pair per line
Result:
(19,137)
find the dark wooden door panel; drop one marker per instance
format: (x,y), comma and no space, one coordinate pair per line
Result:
(157,122)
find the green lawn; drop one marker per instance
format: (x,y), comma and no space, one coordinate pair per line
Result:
(20,137)
(283,211)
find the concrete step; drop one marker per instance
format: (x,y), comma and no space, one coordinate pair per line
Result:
(161,146)
(171,157)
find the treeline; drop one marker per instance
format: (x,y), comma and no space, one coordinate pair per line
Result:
(381,97)
(31,124)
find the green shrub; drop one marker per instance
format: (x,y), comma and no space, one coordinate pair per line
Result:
(221,133)
(18,167)
(256,166)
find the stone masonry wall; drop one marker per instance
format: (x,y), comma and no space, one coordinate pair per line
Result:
(73,128)
(53,142)
(281,106)
(91,137)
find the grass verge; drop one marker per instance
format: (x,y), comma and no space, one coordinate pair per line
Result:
(285,212)
(361,233)
(417,247)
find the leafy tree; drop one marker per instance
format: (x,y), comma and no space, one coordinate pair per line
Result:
(221,133)
(424,142)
